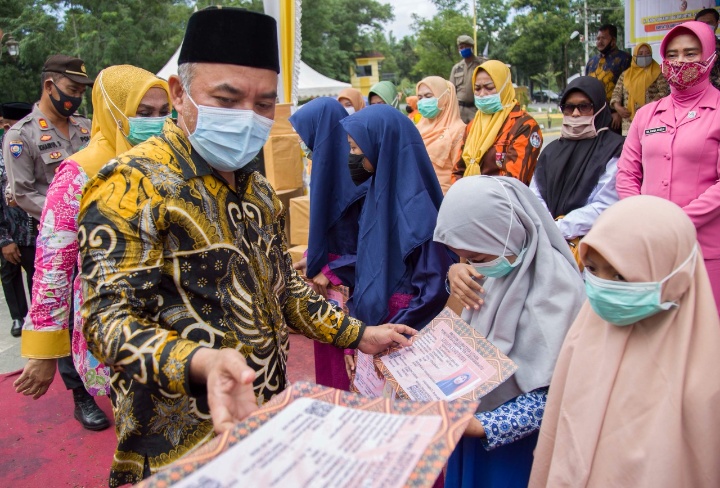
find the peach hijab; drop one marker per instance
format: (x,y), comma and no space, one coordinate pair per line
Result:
(443,135)
(637,405)
(354,96)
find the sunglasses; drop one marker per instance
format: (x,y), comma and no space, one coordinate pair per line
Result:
(584,108)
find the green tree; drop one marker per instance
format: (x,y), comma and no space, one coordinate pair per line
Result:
(335,32)
(436,46)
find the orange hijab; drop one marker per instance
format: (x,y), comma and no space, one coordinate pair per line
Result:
(443,135)
(637,405)
(637,80)
(355,96)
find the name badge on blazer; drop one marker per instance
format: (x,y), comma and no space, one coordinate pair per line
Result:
(655,130)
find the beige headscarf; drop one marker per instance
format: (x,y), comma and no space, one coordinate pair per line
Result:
(636,406)
(443,135)
(354,96)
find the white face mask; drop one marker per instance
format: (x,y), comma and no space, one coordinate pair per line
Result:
(228,139)
(350,110)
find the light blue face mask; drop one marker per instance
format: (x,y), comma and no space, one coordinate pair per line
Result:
(490,104)
(143,128)
(228,139)
(624,303)
(428,107)
(500,266)
(140,128)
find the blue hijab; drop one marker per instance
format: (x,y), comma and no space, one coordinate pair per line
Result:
(400,209)
(332,190)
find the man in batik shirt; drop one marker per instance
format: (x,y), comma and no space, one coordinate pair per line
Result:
(607,66)
(189,288)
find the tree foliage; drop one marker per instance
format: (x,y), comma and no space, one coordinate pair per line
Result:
(335,32)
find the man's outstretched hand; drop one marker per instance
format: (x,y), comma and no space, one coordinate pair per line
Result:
(229,383)
(376,339)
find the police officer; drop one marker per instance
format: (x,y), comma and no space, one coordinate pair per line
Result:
(461,77)
(33,149)
(18,232)
(38,143)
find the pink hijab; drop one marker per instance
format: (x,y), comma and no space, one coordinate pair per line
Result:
(685,99)
(636,406)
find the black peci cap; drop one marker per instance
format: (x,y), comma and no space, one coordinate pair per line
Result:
(230,35)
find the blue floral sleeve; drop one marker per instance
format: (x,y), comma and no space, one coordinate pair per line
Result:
(513,420)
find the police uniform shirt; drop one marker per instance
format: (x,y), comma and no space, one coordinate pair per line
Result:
(33,149)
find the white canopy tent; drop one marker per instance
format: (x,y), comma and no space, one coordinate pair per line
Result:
(310,83)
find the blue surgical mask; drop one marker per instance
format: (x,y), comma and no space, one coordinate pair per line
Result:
(228,139)
(501,266)
(624,303)
(143,128)
(140,128)
(466,53)
(428,107)
(490,104)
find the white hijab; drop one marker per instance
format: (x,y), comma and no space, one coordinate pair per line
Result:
(526,313)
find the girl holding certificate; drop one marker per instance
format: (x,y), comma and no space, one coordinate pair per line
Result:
(531,295)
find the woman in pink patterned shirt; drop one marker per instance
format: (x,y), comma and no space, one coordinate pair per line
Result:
(130,105)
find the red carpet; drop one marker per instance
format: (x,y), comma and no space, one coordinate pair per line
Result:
(43,446)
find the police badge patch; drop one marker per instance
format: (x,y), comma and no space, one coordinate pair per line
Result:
(16,148)
(535,140)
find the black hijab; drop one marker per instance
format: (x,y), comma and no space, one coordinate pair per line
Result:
(568,170)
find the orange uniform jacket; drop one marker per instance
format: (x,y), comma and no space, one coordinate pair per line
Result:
(515,151)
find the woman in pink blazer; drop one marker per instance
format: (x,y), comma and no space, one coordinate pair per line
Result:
(673,147)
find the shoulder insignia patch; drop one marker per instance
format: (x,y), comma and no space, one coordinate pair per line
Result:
(46,137)
(535,140)
(16,148)
(55,155)
(43,124)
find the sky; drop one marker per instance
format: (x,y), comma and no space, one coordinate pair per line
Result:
(403,10)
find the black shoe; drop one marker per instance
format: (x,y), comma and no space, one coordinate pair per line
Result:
(16,328)
(87,412)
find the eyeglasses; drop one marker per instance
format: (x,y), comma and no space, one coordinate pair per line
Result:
(584,108)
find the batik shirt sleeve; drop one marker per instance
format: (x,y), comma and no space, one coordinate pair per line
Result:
(513,420)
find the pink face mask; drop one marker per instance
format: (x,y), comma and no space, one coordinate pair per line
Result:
(583,127)
(683,75)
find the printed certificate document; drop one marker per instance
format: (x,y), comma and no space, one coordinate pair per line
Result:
(316,444)
(313,436)
(365,379)
(448,360)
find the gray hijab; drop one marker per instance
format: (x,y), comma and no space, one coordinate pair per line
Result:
(526,313)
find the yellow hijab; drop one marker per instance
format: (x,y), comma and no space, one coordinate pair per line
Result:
(637,80)
(116,94)
(485,128)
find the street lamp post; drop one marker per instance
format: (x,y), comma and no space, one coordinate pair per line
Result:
(13,47)
(565,46)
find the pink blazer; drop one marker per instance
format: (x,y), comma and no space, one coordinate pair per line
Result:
(678,161)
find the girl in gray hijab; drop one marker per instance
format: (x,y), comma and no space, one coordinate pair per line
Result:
(530,297)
